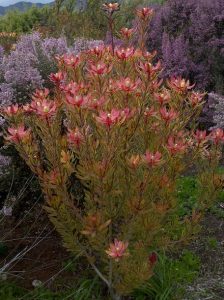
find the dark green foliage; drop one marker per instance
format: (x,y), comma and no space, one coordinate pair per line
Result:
(170,276)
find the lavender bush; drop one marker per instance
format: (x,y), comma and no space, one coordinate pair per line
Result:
(189,37)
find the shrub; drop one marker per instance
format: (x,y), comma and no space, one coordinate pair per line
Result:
(190,40)
(111,123)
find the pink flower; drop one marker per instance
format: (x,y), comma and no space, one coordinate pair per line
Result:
(94,103)
(176,145)
(179,84)
(152,159)
(18,134)
(73,87)
(75,137)
(200,136)
(124,53)
(110,8)
(196,98)
(57,78)
(163,97)
(109,119)
(98,51)
(77,100)
(217,136)
(44,108)
(149,112)
(168,115)
(40,94)
(117,249)
(11,110)
(127,85)
(149,69)
(126,33)
(127,113)
(99,68)
(71,60)
(145,13)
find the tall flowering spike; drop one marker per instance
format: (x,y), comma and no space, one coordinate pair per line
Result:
(179,84)
(145,13)
(152,159)
(57,78)
(196,98)
(75,137)
(108,119)
(176,145)
(124,53)
(217,136)
(110,8)
(200,136)
(127,85)
(11,110)
(18,134)
(100,68)
(117,250)
(127,33)
(163,97)
(168,115)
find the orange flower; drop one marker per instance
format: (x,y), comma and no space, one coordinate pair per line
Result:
(145,13)
(126,33)
(117,250)
(110,8)
(94,224)
(134,161)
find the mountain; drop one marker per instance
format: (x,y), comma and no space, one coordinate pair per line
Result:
(22,6)
(11,2)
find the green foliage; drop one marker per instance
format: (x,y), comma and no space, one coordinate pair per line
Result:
(24,22)
(83,290)
(170,277)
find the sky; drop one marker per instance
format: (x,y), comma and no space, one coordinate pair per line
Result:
(9,2)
